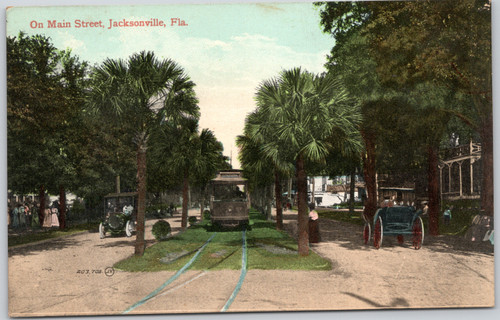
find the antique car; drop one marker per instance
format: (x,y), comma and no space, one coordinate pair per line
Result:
(229,200)
(397,221)
(120,212)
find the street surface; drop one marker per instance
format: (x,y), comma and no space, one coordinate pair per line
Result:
(70,276)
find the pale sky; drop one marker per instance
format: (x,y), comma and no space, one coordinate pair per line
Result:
(227,49)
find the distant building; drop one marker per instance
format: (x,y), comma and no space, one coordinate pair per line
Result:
(329,192)
(460,172)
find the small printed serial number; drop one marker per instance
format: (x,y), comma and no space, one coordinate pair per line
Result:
(108,271)
(89,271)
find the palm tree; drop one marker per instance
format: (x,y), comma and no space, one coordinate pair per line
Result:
(136,93)
(309,114)
(189,155)
(255,160)
(210,161)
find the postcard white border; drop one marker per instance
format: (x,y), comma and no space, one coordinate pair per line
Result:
(456,314)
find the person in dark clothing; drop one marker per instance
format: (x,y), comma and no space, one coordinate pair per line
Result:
(314,236)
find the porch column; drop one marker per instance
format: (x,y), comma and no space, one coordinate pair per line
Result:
(449,177)
(460,175)
(471,176)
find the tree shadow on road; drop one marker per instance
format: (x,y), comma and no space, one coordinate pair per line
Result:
(45,246)
(396,302)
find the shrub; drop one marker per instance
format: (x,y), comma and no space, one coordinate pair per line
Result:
(157,211)
(206,214)
(161,230)
(192,220)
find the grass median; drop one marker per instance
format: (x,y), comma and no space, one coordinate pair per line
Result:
(267,249)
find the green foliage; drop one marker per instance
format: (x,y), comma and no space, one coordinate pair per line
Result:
(189,151)
(428,52)
(307,114)
(157,210)
(192,220)
(463,212)
(298,113)
(77,209)
(206,215)
(161,230)
(45,90)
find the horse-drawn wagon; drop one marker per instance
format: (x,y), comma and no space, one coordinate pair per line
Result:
(397,221)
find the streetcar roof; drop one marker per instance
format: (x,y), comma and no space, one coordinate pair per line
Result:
(230,176)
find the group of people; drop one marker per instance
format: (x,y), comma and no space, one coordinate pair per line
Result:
(26,215)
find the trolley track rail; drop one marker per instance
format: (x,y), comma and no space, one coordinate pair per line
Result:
(164,289)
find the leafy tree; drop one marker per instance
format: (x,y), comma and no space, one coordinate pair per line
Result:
(211,160)
(446,43)
(449,43)
(45,88)
(192,157)
(279,165)
(136,93)
(258,170)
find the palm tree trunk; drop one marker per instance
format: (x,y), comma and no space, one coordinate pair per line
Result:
(202,207)
(351,191)
(487,161)
(141,198)
(303,217)
(185,195)
(279,208)
(369,173)
(269,204)
(433,190)
(62,208)
(202,201)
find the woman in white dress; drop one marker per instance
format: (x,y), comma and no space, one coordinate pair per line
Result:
(55,219)
(47,218)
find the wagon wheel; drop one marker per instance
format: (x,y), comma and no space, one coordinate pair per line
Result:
(129,228)
(102,231)
(401,239)
(378,233)
(418,233)
(367,233)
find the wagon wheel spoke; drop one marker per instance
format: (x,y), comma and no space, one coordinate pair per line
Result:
(367,230)
(401,239)
(378,233)
(418,233)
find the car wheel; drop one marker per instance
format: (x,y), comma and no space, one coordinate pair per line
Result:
(129,228)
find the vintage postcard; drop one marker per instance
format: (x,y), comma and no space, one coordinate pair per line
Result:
(191,159)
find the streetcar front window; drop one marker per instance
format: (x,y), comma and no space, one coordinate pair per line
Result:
(229,192)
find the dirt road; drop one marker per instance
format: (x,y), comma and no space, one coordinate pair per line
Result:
(67,276)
